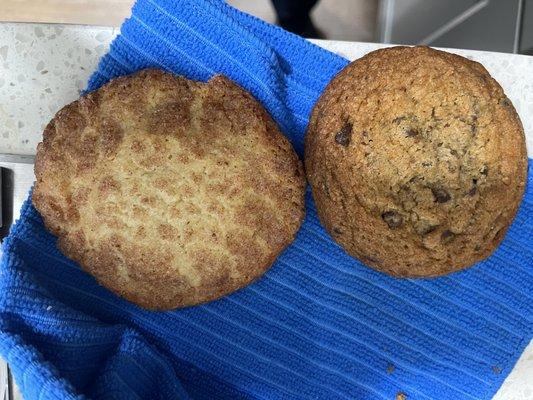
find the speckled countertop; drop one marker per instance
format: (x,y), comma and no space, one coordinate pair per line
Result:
(43,67)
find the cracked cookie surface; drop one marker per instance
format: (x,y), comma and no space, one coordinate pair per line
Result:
(417,161)
(170,192)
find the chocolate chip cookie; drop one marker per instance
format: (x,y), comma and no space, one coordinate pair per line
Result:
(417,161)
(170,192)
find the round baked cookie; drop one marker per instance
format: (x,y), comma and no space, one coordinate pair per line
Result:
(170,192)
(417,161)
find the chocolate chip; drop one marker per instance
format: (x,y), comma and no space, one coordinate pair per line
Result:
(484,170)
(473,190)
(411,132)
(454,153)
(447,236)
(477,247)
(426,164)
(337,231)
(441,195)
(344,136)
(392,218)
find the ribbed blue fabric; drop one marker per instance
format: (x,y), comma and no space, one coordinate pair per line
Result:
(318,325)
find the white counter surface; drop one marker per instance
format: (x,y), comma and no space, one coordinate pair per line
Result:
(43,67)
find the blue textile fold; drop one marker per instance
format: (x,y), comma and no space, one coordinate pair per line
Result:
(318,325)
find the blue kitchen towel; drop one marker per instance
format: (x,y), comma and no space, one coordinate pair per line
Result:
(318,325)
